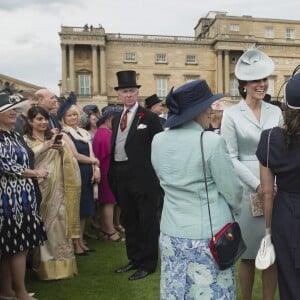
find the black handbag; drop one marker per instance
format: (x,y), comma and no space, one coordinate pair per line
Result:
(227,245)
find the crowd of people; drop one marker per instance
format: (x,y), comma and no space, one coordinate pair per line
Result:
(136,174)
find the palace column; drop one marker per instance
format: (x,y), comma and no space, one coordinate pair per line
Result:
(63,68)
(95,70)
(102,70)
(71,68)
(226,72)
(219,72)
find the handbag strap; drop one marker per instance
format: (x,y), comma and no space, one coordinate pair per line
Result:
(204,172)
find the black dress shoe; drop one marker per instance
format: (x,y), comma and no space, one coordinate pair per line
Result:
(139,274)
(128,267)
(81,254)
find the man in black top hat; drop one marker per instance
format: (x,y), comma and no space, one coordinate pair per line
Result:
(132,178)
(154,104)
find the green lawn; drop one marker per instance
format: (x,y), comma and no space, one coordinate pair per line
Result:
(96,279)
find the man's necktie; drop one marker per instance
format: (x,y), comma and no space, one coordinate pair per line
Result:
(123,122)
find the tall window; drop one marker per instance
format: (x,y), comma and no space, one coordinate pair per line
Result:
(234,91)
(84,84)
(289,33)
(161,87)
(129,57)
(269,33)
(234,27)
(191,59)
(161,58)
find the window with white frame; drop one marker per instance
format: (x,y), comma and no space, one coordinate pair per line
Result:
(269,32)
(161,58)
(234,84)
(129,57)
(161,86)
(84,84)
(191,59)
(234,27)
(289,33)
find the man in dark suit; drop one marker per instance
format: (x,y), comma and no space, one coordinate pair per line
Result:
(132,177)
(154,104)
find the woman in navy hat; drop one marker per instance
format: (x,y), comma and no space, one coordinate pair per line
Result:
(282,207)
(101,147)
(79,141)
(241,127)
(188,270)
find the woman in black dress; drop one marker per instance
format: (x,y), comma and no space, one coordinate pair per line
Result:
(79,141)
(21,227)
(282,207)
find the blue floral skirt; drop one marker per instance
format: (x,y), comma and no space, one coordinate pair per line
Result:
(189,272)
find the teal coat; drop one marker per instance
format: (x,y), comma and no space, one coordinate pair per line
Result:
(176,158)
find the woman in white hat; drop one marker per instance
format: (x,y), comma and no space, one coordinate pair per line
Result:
(188,269)
(21,227)
(241,127)
(282,211)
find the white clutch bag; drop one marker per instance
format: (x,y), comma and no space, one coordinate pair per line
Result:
(266,253)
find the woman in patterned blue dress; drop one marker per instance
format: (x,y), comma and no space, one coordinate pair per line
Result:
(21,227)
(188,269)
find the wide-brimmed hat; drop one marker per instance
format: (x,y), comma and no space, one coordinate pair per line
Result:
(292,92)
(14,101)
(188,101)
(126,79)
(254,65)
(107,111)
(64,107)
(91,108)
(152,100)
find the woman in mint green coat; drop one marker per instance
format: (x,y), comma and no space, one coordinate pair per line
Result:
(188,269)
(241,127)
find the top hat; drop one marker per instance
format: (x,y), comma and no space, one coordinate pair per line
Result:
(292,92)
(253,65)
(126,79)
(152,100)
(188,101)
(10,101)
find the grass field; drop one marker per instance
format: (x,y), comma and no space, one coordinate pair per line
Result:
(96,279)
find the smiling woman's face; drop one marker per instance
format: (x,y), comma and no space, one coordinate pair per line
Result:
(257,89)
(8,119)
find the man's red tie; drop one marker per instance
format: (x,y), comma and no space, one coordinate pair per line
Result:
(123,123)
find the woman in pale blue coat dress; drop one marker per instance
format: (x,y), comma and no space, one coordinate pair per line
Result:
(188,269)
(241,127)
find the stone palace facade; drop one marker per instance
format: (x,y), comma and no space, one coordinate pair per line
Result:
(91,57)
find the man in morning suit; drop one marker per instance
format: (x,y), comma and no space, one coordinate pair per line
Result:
(132,177)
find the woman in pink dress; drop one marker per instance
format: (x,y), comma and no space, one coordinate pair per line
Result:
(101,147)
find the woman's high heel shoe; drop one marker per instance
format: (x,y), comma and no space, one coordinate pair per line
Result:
(108,237)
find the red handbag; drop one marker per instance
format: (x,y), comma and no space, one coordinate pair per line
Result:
(227,245)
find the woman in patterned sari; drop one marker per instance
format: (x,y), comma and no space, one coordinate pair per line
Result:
(60,198)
